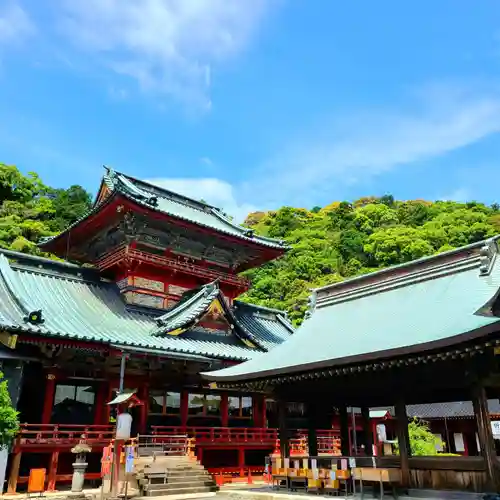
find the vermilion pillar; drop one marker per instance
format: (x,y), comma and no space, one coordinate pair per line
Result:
(224,409)
(143,416)
(184,408)
(264,412)
(100,401)
(50,390)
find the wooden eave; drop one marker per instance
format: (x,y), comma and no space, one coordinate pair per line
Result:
(471,345)
(106,215)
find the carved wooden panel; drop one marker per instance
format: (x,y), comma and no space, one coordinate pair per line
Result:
(144,299)
(157,286)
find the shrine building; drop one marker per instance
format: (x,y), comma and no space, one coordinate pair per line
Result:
(147,284)
(402,338)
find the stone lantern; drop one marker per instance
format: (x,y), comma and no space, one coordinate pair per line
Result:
(79,466)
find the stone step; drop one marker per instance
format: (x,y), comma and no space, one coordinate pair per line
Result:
(181,491)
(174,477)
(176,485)
(176,480)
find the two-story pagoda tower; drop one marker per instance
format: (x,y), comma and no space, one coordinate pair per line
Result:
(157,244)
(144,301)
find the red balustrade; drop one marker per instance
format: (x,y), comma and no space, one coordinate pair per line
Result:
(61,435)
(117,255)
(328,439)
(222,435)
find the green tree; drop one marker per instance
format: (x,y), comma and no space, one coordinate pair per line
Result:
(422,441)
(343,240)
(30,210)
(9,424)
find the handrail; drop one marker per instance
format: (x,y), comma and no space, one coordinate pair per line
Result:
(113,257)
(62,434)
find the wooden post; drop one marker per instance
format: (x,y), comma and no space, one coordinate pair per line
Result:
(403,442)
(367,430)
(487,444)
(241,461)
(54,459)
(283,429)
(344,431)
(143,412)
(48,403)
(224,409)
(14,473)
(100,401)
(264,412)
(184,408)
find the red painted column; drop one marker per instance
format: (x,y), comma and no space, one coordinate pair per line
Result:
(100,401)
(224,409)
(264,412)
(110,398)
(50,390)
(54,459)
(256,413)
(143,416)
(184,408)
(241,461)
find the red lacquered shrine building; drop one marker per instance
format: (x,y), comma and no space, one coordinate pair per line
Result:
(154,287)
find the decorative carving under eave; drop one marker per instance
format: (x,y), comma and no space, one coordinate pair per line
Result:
(311,302)
(488,255)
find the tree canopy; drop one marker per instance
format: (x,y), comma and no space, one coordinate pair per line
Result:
(423,442)
(9,424)
(328,244)
(346,239)
(30,210)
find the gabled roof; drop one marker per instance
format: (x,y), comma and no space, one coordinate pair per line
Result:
(427,304)
(55,299)
(182,207)
(245,321)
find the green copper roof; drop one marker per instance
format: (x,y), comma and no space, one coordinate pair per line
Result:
(182,207)
(187,313)
(47,298)
(430,303)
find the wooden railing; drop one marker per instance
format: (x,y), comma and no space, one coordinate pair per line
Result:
(115,256)
(327,438)
(222,435)
(61,435)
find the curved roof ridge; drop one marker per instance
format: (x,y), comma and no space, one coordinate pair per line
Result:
(168,192)
(399,282)
(204,292)
(9,280)
(414,265)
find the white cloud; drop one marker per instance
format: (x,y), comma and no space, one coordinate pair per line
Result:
(214,191)
(168,46)
(15,23)
(357,146)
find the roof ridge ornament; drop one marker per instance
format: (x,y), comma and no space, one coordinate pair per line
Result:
(34,317)
(488,255)
(311,302)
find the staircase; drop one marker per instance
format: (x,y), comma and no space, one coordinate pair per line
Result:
(176,475)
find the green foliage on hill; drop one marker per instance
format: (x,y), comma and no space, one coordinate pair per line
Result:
(345,239)
(30,210)
(9,424)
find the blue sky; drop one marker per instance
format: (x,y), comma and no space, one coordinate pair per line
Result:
(254,104)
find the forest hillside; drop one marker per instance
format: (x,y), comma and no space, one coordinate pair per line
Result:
(328,244)
(346,239)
